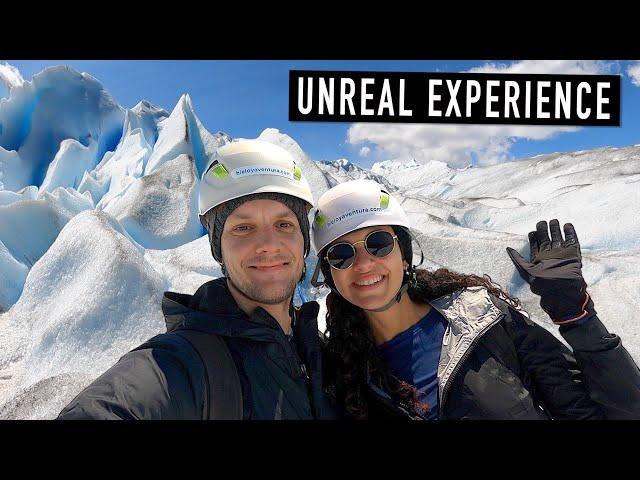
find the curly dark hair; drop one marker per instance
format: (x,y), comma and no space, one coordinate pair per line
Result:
(351,349)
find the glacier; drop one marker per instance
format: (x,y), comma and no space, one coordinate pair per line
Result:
(58,104)
(98,217)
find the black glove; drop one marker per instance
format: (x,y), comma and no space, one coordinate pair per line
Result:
(554,272)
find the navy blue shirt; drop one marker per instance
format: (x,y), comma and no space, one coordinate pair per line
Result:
(413,356)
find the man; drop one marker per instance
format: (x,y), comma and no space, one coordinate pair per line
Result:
(236,348)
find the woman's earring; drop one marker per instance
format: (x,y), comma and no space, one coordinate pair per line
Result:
(413,280)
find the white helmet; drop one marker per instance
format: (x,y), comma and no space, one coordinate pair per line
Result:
(250,166)
(352,205)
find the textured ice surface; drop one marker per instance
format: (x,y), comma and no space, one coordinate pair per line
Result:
(158,210)
(58,104)
(88,300)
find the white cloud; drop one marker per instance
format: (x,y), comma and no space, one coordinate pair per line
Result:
(364,151)
(634,72)
(568,67)
(10,76)
(455,144)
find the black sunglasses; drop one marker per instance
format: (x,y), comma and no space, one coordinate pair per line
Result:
(378,243)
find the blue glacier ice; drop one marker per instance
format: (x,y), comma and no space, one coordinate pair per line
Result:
(58,104)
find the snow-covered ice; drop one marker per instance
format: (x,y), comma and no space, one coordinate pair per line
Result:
(157,208)
(14,273)
(58,104)
(28,227)
(72,160)
(310,169)
(89,299)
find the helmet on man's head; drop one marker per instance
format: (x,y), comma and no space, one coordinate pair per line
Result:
(246,167)
(251,170)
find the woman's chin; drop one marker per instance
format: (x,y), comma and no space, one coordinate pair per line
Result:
(371,301)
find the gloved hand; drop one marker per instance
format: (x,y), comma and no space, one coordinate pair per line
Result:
(555,272)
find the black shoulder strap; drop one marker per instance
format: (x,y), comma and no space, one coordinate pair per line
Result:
(223,399)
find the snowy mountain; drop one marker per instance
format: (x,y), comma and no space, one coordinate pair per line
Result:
(342,170)
(98,217)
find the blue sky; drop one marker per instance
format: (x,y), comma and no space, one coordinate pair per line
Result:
(244,97)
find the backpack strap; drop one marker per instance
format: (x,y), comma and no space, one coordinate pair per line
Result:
(223,398)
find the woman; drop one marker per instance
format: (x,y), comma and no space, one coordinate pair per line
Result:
(410,343)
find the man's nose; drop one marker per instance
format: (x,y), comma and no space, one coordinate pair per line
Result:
(268,241)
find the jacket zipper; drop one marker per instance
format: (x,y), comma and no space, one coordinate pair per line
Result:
(447,385)
(297,368)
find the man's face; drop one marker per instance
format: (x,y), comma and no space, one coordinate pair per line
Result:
(263,250)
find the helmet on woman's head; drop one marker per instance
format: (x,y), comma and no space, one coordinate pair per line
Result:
(353,205)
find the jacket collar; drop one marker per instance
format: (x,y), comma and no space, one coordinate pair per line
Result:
(212,309)
(470,312)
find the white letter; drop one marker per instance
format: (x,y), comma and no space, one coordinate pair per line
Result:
(582,114)
(453,100)
(305,110)
(527,99)
(366,96)
(511,100)
(542,99)
(347,97)
(472,98)
(433,97)
(563,98)
(403,112)
(326,97)
(600,115)
(491,98)
(385,101)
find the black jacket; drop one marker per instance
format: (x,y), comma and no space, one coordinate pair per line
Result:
(497,364)
(165,379)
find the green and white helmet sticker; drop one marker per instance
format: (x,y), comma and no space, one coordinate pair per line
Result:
(219,171)
(384,200)
(320,219)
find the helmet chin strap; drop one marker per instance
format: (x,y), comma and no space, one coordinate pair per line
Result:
(393,301)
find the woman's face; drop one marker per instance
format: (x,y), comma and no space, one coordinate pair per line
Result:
(371,282)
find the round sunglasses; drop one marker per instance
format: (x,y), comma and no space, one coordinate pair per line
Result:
(378,243)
